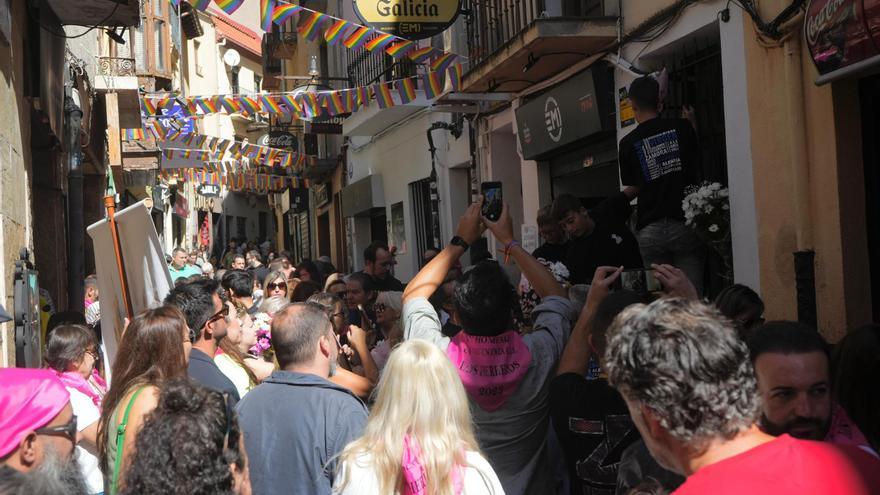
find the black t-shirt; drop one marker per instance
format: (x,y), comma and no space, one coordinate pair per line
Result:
(662,157)
(259,273)
(611,243)
(594,428)
(386,284)
(552,252)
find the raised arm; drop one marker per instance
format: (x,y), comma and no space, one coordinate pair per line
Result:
(432,275)
(541,279)
(576,356)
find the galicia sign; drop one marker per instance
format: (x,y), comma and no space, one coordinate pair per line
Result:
(410,19)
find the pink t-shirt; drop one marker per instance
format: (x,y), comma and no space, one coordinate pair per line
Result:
(788,466)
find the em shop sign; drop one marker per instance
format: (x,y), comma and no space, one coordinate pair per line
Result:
(410,19)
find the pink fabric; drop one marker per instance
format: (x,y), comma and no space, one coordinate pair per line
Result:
(76,381)
(490,368)
(29,400)
(415,481)
(844,432)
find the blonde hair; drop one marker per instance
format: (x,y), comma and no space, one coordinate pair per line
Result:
(421,395)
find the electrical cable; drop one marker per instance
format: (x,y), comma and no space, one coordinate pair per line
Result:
(91,28)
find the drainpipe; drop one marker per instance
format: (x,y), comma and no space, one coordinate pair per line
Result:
(804,256)
(75,221)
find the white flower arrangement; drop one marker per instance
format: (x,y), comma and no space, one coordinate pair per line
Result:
(706,209)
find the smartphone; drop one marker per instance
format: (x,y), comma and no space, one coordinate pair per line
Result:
(492,200)
(638,280)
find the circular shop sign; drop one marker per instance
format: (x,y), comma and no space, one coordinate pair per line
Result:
(410,19)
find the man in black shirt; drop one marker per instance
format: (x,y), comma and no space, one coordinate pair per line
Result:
(597,238)
(660,158)
(378,261)
(555,246)
(590,417)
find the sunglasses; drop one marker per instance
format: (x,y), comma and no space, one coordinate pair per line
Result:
(67,430)
(279,285)
(223,313)
(379,307)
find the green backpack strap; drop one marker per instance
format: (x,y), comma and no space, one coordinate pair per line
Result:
(120,441)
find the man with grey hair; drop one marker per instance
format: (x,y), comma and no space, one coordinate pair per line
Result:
(691,391)
(297,421)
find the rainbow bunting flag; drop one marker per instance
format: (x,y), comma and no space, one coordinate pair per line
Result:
(207,105)
(337,31)
(200,4)
(333,102)
(309,102)
(357,38)
(348,100)
(309,29)
(382,92)
(251,151)
(283,12)
(433,84)
(267,8)
(270,104)
(235,150)
(132,134)
(230,104)
(442,62)
(400,49)
(189,138)
(249,105)
(379,42)
(419,55)
(229,6)
(149,106)
(455,73)
(406,88)
(291,105)
(199,141)
(363,96)
(191,106)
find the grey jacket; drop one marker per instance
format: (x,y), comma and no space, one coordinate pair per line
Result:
(294,425)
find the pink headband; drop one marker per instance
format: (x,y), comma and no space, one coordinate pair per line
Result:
(29,400)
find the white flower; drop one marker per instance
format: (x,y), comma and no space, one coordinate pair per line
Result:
(713,228)
(709,208)
(725,206)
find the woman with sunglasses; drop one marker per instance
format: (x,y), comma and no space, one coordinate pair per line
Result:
(229,358)
(71,353)
(388,308)
(190,444)
(154,348)
(275,284)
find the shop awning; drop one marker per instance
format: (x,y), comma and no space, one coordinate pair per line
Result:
(843,37)
(362,196)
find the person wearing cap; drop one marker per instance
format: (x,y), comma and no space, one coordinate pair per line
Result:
(38,428)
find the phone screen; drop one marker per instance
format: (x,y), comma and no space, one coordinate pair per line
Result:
(638,280)
(492,200)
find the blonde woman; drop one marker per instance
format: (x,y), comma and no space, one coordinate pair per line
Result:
(419,439)
(388,308)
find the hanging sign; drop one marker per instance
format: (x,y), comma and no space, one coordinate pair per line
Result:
(208,190)
(410,19)
(842,33)
(279,139)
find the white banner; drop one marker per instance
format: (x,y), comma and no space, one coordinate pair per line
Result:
(148,278)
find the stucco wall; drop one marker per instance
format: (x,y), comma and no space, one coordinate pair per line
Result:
(15,169)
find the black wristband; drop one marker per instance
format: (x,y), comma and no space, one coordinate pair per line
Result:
(458,241)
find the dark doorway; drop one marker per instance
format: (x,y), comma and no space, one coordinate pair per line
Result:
(378,227)
(870,102)
(324,234)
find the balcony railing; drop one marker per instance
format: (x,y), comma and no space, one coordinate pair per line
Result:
(280,44)
(492,23)
(116,67)
(365,68)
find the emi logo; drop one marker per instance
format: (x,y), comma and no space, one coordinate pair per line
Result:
(553,119)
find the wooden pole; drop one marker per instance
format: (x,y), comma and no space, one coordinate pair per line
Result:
(110,206)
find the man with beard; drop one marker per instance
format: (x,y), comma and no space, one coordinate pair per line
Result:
(38,432)
(792,366)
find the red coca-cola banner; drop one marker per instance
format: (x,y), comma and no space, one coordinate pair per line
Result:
(841,33)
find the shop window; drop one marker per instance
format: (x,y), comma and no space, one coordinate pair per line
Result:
(420,199)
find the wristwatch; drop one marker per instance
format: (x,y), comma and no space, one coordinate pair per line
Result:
(458,241)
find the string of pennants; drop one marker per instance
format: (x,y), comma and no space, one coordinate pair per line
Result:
(308,104)
(219,148)
(235,181)
(335,30)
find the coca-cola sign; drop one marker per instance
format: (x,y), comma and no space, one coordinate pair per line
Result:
(840,33)
(279,139)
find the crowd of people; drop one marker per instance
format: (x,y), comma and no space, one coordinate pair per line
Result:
(258,376)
